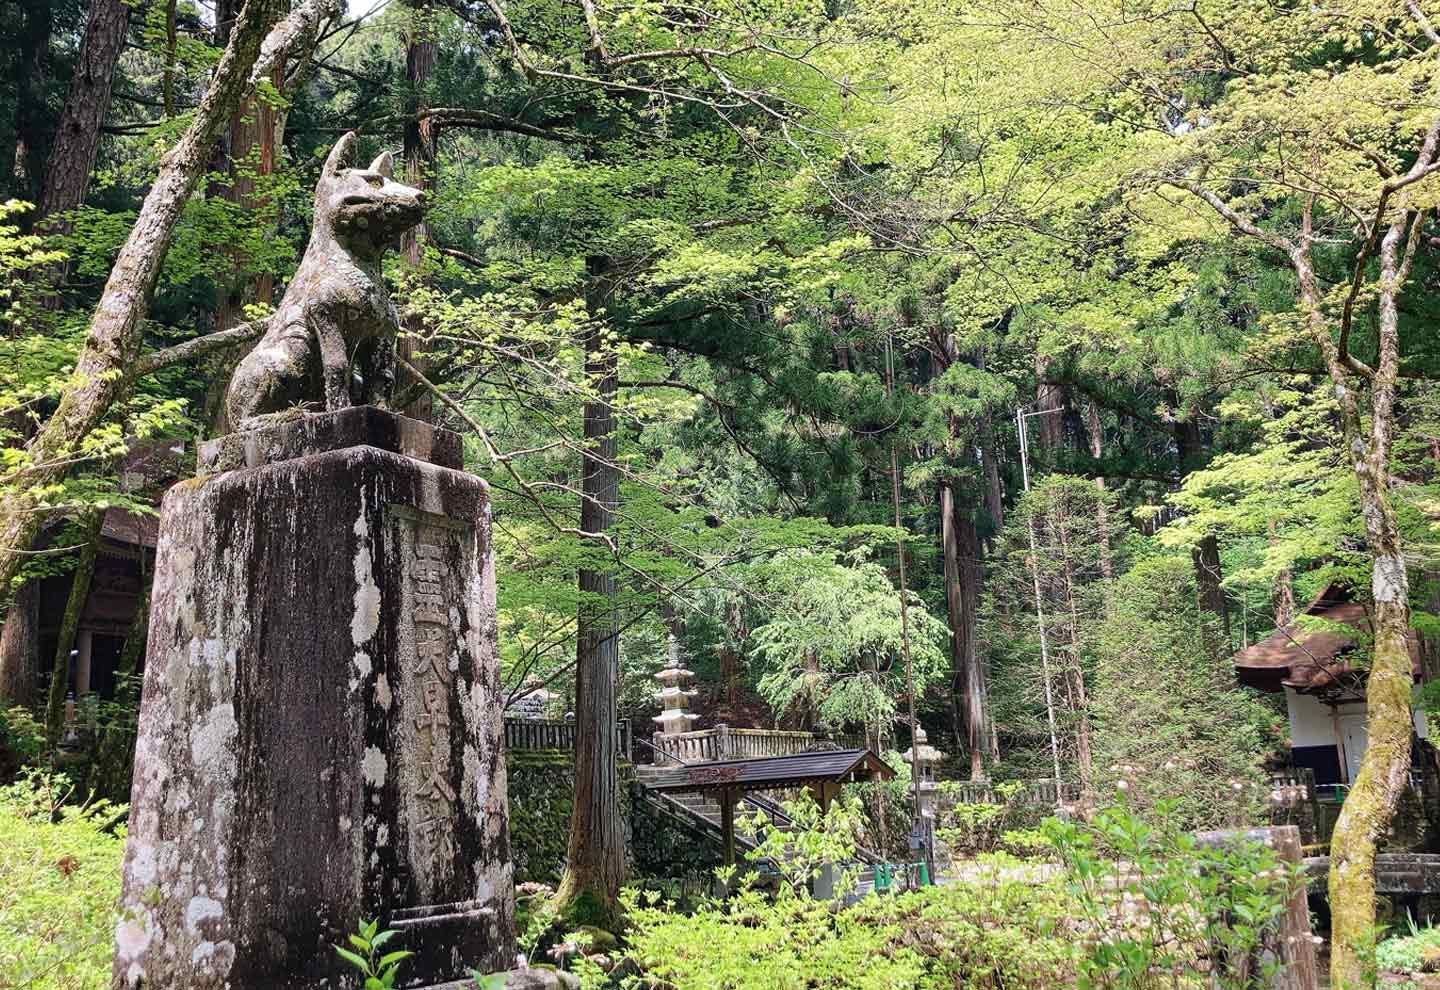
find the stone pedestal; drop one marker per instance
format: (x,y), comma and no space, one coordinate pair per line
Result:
(320,733)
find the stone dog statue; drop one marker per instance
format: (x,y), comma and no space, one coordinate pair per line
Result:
(332,339)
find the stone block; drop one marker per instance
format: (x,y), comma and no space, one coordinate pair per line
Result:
(356,426)
(320,734)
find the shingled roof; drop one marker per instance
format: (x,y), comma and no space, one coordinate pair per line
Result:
(1310,661)
(838,766)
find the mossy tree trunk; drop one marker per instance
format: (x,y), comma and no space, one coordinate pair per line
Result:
(116,758)
(70,623)
(1368,808)
(589,892)
(20,647)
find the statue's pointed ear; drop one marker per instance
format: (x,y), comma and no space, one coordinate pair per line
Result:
(339,155)
(384,164)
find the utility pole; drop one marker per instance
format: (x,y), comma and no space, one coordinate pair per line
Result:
(1020,417)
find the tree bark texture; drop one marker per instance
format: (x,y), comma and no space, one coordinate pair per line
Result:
(1206,557)
(112,345)
(994,492)
(1049,398)
(595,856)
(419,148)
(70,623)
(968,688)
(1370,805)
(32,44)
(20,647)
(67,176)
(1095,435)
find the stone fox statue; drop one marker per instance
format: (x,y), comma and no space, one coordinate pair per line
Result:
(333,337)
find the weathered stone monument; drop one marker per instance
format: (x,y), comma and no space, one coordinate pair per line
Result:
(320,733)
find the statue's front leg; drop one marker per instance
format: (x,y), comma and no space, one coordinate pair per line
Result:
(378,373)
(334,365)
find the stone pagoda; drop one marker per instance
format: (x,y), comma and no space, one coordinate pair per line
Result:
(674,697)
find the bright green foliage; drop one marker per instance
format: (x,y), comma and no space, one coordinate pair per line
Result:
(377,969)
(1409,952)
(60,873)
(751,943)
(817,838)
(832,647)
(1153,901)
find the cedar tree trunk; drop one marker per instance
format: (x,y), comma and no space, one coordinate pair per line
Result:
(595,858)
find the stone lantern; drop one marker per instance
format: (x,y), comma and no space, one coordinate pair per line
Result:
(923,759)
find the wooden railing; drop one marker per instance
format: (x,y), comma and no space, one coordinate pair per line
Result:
(1039,792)
(535,733)
(725,743)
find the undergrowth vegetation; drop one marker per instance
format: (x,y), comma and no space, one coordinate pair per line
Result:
(59,886)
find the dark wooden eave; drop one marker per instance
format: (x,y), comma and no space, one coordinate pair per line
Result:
(841,766)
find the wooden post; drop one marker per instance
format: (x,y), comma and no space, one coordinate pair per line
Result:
(727,824)
(1293,945)
(722,742)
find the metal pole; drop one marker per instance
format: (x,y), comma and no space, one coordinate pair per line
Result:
(1039,613)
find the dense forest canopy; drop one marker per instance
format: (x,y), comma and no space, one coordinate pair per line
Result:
(1107,324)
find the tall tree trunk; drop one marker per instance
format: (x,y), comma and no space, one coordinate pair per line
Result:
(1282,590)
(70,623)
(1368,809)
(990,462)
(167,75)
(20,647)
(969,694)
(419,159)
(113,344)
(1049,397)
(67,175)
(114,760)
(1206,557)
(1370,805)
(1096,437)
(248,153)
(32,47)
(595,857)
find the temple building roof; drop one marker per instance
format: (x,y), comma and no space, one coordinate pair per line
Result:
(1314,660)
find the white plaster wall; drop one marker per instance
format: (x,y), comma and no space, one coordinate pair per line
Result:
(1311,723)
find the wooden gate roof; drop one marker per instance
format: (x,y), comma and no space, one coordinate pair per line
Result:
(840,766)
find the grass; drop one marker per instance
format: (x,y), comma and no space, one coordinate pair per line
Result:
(59,887)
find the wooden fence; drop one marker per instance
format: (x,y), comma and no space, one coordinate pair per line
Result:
(1040,792)
(536,733)
(725,743)
(703,746)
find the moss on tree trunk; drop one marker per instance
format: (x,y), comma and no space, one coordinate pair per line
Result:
(70,624)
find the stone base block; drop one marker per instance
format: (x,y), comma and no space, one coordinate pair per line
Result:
(320,731)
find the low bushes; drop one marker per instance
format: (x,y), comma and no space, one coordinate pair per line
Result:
(59,885)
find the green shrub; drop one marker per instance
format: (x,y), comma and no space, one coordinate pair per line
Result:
(1157,905)
(59,886)
(985,934)
(750,943)
(1408,953)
